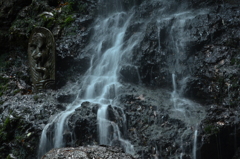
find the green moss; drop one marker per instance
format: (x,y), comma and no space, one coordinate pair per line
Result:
(13,131)
(6,123)
(68,8)
(3,85)
(9,157)
(3,81)
(35,97)
(3,88)
(82,8)
(17,91)
(235,61)
(211,129)
(68,20)
(74,5)
(26,26)
(3,130)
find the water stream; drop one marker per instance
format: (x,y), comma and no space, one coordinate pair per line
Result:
(183,109)
(195,144)
(100,84)
(186,111)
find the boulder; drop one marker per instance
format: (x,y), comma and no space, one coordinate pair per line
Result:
(88,152)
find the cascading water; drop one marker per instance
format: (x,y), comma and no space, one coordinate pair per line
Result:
(195,144)
(174,93)
(101,80)
(183,109)
(100,85)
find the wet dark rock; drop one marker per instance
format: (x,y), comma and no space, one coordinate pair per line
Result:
(53,2)
(153,128)
(216,60)
(9,10)
(69,98)
(72,41)
(23,118)
(220,131)
(210,60)
(130,74)
(83,123)
(61,107)
(237,154)
(209,56)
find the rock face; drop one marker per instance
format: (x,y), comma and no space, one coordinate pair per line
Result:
(208,51)
(8,12)
(197,42)
(83,123)
(155,128)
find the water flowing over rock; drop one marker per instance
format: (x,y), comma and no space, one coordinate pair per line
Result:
(100,84)
(155,78)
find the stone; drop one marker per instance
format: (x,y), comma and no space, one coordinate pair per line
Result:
(87,152)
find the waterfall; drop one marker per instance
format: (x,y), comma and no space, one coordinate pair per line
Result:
(174,93)
(100,84)
(110,47)
(183,109)
(195,144)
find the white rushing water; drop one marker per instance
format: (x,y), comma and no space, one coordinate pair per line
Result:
(195,144)
(109,50)
(100,84)
(102,80)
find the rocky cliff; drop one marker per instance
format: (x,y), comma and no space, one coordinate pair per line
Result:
(194,44)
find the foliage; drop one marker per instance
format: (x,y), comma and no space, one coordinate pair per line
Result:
(67,21)
(13,132)
(16,91)
(77,6)
(33,16)
(3,85)
(4,136)
(3,63)
(235,61)
(211,129)
(35,97)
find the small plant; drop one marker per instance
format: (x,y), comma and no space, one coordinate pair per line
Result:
(16,91)
(6,123)
(68,21)
(3,130)
(9,157)
(35,97)
(3,85)
(211,129)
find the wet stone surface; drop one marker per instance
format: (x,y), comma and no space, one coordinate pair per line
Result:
(154,126)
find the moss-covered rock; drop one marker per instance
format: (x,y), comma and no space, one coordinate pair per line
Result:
(17,138)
